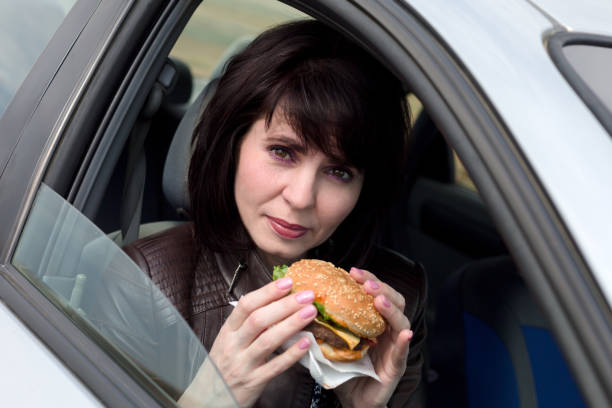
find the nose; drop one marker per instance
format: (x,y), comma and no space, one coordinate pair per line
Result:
(301,189)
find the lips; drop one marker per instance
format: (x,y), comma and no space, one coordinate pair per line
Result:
(286,229)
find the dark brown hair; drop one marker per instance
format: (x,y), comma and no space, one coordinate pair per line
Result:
(336,97)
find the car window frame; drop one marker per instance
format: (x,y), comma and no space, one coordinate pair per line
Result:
(104,376)
(87,189)
(109,379)
(85,274)
(552,265)
(38,80)
(113,381)
(74,51)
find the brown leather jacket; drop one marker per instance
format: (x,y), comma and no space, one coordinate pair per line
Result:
(198,285)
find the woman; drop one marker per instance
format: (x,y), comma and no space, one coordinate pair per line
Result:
(297,155)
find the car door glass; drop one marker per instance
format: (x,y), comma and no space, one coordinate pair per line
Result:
(94,282)
(25,29)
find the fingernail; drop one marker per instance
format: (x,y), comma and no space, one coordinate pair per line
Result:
(410,334)
(284,283)
(373,285)
(308,312)
(304,343)
(357,271)
(386,301)
(306,296)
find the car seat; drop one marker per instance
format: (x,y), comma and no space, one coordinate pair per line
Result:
(492,346)
(175,168)
(67,275)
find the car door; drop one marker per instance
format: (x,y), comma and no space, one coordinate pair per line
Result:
(536,228)
(69,128)
(437,51)
(49,284)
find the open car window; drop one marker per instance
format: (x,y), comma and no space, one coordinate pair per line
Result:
(92,280)
(74,261)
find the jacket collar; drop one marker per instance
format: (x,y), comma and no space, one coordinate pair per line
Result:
(243,272)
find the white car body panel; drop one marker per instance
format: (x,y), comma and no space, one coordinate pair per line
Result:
(37,378)
(585,16)
(502,45)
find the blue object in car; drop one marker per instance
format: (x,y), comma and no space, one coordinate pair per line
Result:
(507,357)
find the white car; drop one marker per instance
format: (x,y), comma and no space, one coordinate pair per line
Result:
(508,203)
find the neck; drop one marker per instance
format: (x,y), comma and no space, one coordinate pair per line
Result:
(270,261)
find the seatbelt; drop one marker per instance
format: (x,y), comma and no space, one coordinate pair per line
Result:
(135,176)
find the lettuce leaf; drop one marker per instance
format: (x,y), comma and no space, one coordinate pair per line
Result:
(322,313)
(279,271)
(324,316)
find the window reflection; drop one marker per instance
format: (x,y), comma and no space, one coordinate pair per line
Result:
(90,278)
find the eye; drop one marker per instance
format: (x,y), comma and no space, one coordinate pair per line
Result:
(281,153)
(341,174)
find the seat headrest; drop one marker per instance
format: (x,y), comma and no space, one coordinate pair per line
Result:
(181,92)
(176,168)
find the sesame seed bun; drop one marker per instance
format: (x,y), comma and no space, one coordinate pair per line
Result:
(343,298)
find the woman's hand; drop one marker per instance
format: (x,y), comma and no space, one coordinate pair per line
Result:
(261,322)
(389,355)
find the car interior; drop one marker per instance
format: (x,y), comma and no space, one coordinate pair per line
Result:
(488,343)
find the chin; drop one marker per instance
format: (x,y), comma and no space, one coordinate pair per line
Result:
(286,254)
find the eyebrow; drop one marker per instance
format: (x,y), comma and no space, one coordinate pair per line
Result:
(299,147)
(293,143)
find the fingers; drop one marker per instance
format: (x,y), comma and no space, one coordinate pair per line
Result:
(275,313)
(399,353)
(275,336)
(256,299)
(395,317)
(361,275)
(375,287)
(283,361)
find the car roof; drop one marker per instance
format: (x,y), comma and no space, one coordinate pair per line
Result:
(590,16)
(502,45)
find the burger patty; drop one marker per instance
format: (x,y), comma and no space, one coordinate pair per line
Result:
(331,338)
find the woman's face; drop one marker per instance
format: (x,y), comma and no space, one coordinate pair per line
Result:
(290,198)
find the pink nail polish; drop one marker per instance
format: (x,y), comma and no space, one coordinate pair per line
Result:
(306,296)
(284,283)
(357,271)
(308,312)
(304,343)
(386,302)
(373,285)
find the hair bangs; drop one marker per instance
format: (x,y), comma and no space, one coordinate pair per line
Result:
(323,112)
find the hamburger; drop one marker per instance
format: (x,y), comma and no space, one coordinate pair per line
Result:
(347,323)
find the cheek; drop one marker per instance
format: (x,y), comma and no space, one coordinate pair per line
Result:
(248,175)
(256,183)
(337,204)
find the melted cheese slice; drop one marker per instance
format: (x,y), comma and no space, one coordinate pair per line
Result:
(345,335)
